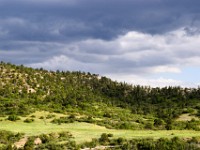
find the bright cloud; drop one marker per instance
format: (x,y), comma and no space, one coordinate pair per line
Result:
(134,53)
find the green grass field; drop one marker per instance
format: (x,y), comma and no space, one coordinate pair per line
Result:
(85,131)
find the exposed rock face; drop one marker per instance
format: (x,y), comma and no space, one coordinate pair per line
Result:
(21,142)
(37,141)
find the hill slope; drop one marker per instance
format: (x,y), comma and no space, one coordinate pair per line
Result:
(76,89)
(74,99)
(24,90)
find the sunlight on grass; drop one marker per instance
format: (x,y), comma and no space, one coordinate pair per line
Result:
(84,131)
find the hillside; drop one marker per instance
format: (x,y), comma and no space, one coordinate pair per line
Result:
(71,97)
(64,90)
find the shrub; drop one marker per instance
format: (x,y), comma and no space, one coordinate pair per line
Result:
(90,145)
(125,125)
(45,138)
(158,122)
(148,126)
(62,120)
(108,115)
(104,138)
(13,118)
(33,116)
(28,120)
(72,116)
(65,135)
(42,117)
(49,116)
(110,135)
(120,141)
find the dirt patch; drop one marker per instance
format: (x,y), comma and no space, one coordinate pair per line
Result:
(186,117)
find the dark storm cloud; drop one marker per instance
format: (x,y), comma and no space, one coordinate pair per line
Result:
(64,20)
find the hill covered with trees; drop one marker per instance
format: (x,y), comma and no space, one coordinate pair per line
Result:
(94,99)
(24,87)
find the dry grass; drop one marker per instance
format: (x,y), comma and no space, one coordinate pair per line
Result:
(186,117)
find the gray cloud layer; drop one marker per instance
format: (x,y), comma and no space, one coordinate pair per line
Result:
(101,36)
(134,52)
(67,20)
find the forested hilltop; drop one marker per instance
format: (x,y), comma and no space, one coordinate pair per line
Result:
(89,99)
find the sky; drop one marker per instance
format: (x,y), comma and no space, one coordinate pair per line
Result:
(146,42)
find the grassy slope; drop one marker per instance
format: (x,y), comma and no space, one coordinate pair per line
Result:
(85,132)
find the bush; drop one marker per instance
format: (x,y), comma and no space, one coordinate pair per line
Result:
(91,144)
(62,120)
(65,135)
(28,120)
(108,115)
(45,138)
(148,126)
(49,116)
(104,138)
(13,118)
(42,117)
(125,125)
(72,116)
(120,141)
(110,135)
(158,122)
(33,116)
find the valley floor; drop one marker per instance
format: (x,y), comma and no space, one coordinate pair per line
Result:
(85,132)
